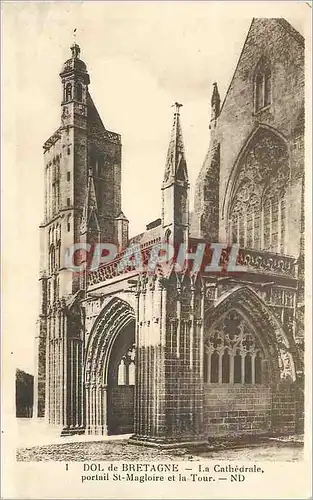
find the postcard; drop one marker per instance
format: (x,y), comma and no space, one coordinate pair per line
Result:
(156,237)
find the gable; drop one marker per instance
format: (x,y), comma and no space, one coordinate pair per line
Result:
(286,49)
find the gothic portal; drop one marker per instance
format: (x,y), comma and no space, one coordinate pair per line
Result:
(174,356)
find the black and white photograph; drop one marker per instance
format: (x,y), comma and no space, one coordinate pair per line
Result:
(157,265)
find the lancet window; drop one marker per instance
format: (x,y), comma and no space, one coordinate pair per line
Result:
(232,353)
(262,85)
(127,368)
(52,258)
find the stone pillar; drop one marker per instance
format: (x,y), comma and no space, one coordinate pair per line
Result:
(71,384)
(87,391)
(169,385)
(104,410)
(75,400)
(100,426)
(52,368)
(64,372)
(48,375)
(39,404)
(57,384)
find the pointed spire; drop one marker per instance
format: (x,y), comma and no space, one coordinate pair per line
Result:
(90,209)
(215,102)
(176,166)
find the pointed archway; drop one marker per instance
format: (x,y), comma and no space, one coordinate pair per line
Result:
(275,343)
(255,207)
(109,368)
(266,148)
(249,370)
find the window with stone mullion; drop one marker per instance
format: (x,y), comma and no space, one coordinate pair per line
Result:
(232,353)
(274,220)
(244,227)
(237,367)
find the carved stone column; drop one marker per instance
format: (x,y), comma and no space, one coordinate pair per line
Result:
(169,354)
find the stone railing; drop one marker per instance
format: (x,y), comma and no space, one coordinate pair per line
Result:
(52,140)
(267,262)
(254,261)
(112,269)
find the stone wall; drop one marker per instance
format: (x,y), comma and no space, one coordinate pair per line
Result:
(121,409)
(232,410)
(284,410)
(236,409)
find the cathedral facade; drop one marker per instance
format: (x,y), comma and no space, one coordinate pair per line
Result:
(180,357)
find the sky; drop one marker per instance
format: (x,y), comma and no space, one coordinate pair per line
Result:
(141,57)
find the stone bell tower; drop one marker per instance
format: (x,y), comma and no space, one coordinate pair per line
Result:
(82,169)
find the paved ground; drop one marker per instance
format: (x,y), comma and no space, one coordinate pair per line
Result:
(121,450)
(274,452)
(95,451)
(37,442)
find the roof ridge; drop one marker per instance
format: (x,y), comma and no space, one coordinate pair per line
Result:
(291,30)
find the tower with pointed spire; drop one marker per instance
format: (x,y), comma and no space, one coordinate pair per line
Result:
(132,348)
(82,162)
(175,187)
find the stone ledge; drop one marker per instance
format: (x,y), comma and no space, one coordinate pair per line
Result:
(164,443)
(219,443)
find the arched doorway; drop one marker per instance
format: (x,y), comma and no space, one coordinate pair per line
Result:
(248,369)
(110,370)
(121,382)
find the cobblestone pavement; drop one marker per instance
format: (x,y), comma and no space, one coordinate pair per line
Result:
(95,450)
(121,450)
(277,452)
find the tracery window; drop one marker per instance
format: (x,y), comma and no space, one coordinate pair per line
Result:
(233,354)
(257,215)
(127,368)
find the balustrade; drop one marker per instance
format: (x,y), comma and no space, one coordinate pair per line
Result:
(255,261)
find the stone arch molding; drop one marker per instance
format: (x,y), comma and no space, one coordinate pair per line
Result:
(267,329)
(113,318)
(238,174)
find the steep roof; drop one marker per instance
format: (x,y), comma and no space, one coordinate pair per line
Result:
(282,22)
(90,207)
(291,30)
(93,118)
(96,129)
